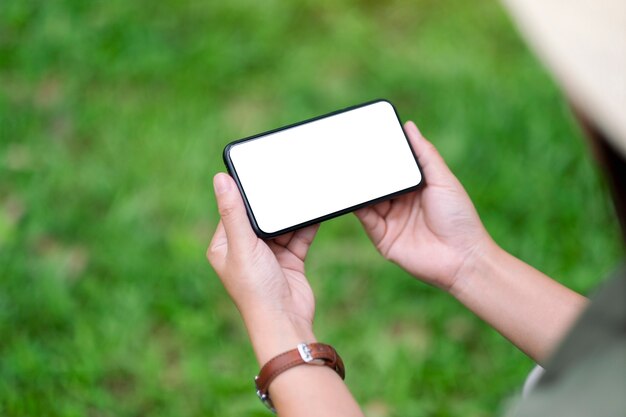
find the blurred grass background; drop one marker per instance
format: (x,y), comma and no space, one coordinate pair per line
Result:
(113,115)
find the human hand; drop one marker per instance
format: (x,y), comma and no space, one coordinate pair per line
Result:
(265,279)
(433,233)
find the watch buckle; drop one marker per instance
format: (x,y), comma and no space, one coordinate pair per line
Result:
(305,352)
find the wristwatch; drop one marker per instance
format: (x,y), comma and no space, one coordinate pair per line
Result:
(318,354)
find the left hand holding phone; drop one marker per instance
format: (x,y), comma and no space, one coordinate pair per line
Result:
(265,279)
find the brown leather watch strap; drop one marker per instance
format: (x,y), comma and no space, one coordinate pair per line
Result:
(305,353)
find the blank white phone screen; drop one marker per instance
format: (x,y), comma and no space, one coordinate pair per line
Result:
(318,168)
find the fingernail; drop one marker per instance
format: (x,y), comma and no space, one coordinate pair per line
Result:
(414,127)
(221,183)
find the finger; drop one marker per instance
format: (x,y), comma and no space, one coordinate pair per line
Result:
(283,240)
(301,241)
(230,205)
(435,169)
(373,223)
(382,208)
(217,248)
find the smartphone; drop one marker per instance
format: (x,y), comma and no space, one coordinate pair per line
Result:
(321,168)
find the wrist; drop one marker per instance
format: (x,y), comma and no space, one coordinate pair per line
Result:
(272,334)
(474,264)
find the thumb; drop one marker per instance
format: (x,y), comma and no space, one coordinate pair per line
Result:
(233,212)
(435,169)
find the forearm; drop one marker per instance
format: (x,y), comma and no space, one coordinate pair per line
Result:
(527,307)
(305,390)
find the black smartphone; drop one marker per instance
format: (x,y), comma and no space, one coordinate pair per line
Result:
(320,168)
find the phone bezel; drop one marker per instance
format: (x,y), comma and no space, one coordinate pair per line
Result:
(265,235)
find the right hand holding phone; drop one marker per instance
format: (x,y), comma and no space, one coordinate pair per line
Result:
(432,233)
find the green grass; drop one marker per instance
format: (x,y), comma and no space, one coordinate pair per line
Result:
(113,115)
